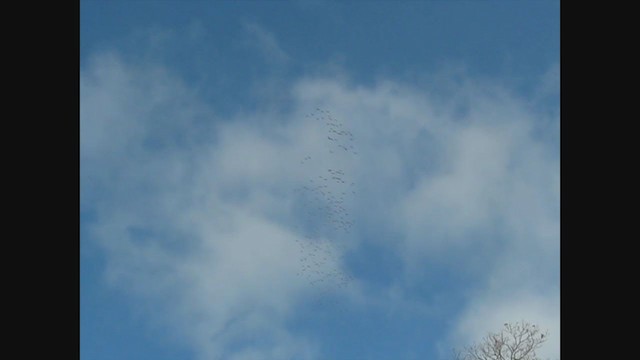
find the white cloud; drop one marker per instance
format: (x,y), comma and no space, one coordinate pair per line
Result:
(464,182)
(203,260)
(481,197)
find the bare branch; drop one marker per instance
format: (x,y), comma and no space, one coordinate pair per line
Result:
(517,341)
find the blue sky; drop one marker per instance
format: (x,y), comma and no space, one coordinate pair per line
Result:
(316,179)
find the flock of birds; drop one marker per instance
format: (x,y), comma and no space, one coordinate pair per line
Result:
(325,200)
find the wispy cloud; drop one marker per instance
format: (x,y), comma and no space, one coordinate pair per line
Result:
(265,42)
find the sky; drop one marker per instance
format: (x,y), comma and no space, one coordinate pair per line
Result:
(317,179)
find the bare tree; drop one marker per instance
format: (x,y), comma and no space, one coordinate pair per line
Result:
(516,341)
